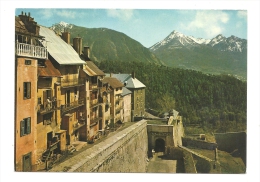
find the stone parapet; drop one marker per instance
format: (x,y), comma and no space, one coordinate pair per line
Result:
(106,156)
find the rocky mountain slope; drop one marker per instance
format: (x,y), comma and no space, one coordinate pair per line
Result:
(216,55)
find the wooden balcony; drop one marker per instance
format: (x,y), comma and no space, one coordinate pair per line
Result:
(94,120)
(32,51)
(48,108)
(78,125)
(93,86)
(95,102)
(67,107)
(65,83)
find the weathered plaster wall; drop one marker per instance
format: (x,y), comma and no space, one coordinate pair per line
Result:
(126,151)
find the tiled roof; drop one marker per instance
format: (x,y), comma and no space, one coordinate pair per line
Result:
(92,70)
(62,52)
(19,26)
(113,82)
(49,70)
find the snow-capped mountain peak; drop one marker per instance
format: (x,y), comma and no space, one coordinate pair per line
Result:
(64,24)
(60,27)
(176,40)
(200,40)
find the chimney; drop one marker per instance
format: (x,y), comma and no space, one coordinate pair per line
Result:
(66,37)
(86,52)
(77,44)
(133,75)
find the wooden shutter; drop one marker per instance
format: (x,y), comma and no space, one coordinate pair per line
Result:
(28,124)
(28,90)
(24,90)
(44,98)
(22,128)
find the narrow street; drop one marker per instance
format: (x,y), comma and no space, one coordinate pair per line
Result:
(159,164)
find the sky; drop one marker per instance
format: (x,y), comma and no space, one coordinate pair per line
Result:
(148,26)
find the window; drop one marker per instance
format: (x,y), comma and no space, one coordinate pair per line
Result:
(27,90)
(28,62)
(39,100)
(47,118)
(25,126)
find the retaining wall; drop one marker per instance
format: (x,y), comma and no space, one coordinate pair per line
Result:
(124,152)
(203,164)
(198,143)
(231,141)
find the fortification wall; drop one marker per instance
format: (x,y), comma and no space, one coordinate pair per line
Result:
(124,152)
(198,143)
(202,163)
(232,141)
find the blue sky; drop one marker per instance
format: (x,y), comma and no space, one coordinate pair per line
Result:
(148,26)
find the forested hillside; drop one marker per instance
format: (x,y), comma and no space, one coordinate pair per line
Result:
(213,101)
(107,44)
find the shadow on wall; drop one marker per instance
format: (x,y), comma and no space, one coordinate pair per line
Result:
(234,143)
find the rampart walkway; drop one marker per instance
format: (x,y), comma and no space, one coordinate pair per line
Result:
(195,153)
(158,164)
(94,157)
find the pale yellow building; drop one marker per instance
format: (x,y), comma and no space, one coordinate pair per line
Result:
(116,110)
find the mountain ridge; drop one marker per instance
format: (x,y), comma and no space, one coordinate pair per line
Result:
(108,44)
(219,55)
(239,44)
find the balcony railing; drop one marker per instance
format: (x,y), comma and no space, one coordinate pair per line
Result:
(49,107)
(94,120)
(29,50)
(95,102)
(78,125)
(67,107)
(93,87)
(71,82)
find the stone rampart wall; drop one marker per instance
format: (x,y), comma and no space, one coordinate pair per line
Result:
(199,143)
(203,164)
(231,141)
(124,152)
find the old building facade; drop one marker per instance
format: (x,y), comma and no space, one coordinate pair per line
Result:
(138,93)
(28,50)
(116,89)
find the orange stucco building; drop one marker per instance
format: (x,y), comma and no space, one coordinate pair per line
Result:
(28,50)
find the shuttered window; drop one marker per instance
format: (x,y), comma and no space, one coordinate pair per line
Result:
(27,90)
(25,127)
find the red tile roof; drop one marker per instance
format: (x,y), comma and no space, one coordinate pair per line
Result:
(49,70)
